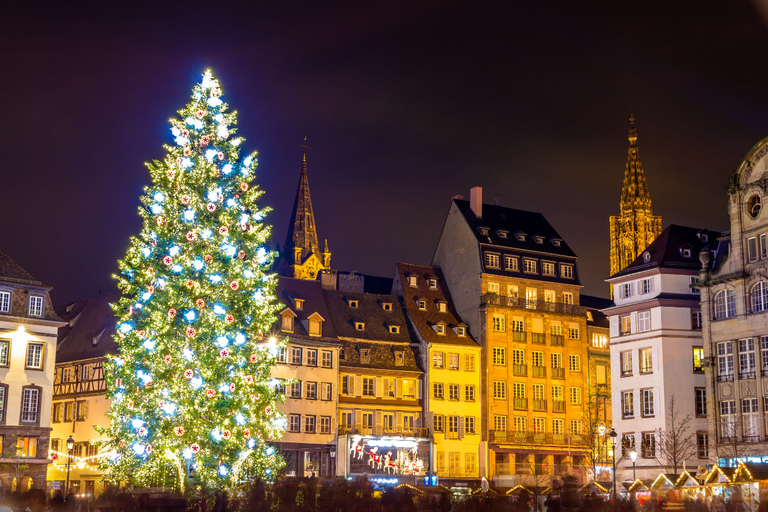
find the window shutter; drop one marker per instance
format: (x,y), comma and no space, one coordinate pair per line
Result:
(398,390)
(378,418)
(85,410)
(399,420)
(656,410)
(637,405)
(377,387)
(417,389)
(614,321)
(461,427)
(358,417)
(358,385)
(655,363)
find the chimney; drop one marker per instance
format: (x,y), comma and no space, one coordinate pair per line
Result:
(476,200)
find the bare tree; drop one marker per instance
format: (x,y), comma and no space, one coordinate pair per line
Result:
(591,445)
(677,442)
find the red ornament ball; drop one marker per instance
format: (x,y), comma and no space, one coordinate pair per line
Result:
(223,230)
(243,187)
(179,431)
(200,303)
(185,133)
(172,312)
(254,358)
(167,359)
(170,174)
(150,270)
(267,410)
(226,434)
(191,236)
(185,199)
(190,283)
(224,353)
(149,448)
(205,140)
(160,220)
(168,261)
(210,393)
(246,433)
(191,332)
(211,207)
(189,373)
(232,387)
(200,114)
(230,319)
(142,333)
(234,285)
(151,289)
(208,258)
(195,448)
(142,431)
(187,151)
(249,379)
(221,155)
(241,255)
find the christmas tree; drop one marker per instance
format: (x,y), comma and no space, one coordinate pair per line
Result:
(191,389)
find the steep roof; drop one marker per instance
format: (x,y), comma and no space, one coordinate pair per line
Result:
(380,356)
(668,250)
(301,230)
(11,270)
(634,190)
(89,331)
(311,292)
(370,311)
(499,218)
(594,305)
(424,320)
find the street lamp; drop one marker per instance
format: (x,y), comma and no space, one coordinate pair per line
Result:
(633,456)
(70,445)
(613,459)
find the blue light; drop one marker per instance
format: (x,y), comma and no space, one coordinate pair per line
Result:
(231,202)
(145,377)
(187,453)
(138,449)
(216,434)
(251,443)
(210,155)
(196,383)
(126,328)
(270,450)
(206,234)
(188,354)
(137,423)
(146,296)
(223,469)
(138,306)
(186,163)
(190,315)
(227,169)
(240,419)
(146,252)
(215,278)
(189,215)
(150,344)
(218,309)
(240,338)
(219,118)
(248,160)
(198,264)
(224,388)
(214,102)
(222,341)
(174,251)
(169,408)
(177,268)
(156,209)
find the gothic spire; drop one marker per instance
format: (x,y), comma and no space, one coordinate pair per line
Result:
(302,234)
(634,191)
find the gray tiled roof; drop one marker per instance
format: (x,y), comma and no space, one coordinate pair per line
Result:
(88,334)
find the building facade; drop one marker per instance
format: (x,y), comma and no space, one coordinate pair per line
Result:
(659,393)
(79,395)
(734,292)
(450,358)
(636,226)
(515,282)
(28,327)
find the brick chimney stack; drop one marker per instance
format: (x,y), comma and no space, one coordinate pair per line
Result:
(476,200)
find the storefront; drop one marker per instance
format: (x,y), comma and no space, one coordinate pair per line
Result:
(398,457)
(305,460)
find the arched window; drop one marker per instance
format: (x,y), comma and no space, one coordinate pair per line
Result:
(725,304)
(760,297)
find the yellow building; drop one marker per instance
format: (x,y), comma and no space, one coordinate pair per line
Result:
(450,357)
(519,294)
(79,395)
(636,226)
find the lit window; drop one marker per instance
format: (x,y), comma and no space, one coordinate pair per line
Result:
(469,363)
(626,324)
(35,305)
(500,422)
(648,446)
(498,323)
(499,356)
(394,329)
(567,298)
(576,396)
(35,356)
(500,390)
(359,326)
(626,363)
(461,331)
(627,404)
(491,260)
(422,305)
(566,271)
(26,446)
(698,360)
(646,360)
(386,306)
(412,281)
(354,304)
(438,360)
(511,263)
(433,284)
(547,268)
(574,362)
(441,307)
(440,329)
(453,361)
(315,328)
(529,266)
(299,304)
(365,355)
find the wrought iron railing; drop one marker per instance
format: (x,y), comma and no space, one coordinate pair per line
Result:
(380,430)
(538,305)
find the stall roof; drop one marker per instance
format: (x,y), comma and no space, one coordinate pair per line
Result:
(750,472)
(637,485)
(687,480)
(519,489)
(718,475)
(591,487)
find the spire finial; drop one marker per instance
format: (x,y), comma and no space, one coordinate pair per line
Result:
(305,148)
(632,131)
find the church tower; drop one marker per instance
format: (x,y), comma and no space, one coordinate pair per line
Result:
(301,257)
(636,226)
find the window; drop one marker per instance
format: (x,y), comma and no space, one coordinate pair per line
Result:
(3,405)
(407,388)
(696,320)
(5,349)
(694,284)
(760,297)
(702,445)
(412,281)
(764,355)
(599,340)
(625,290)
(82,410)
(440,328)
(566,271)
(576,427)
(725,304)
(438,360)
(626,324)
(309,424)
(295,390)
(365,355)
(389,387)
(348,385)
(627,404)
(701,402)
(442,307)
(432,283)
(499,356)
(529,266)
(353,303)
(295,355)
(453,361)
(763,252)
(646,360)
(646,286)
(648,446)
(461,331)
(511,263)
(557,393)
(438,423)
(453,391)
(326,359)
(627,444)
(752,248)
(294,422)
(491,260)
(325,424)
(537,358)
(498,323)
(469,363)
(26,446)
(5,302)
(311,391)
(519,389)
(500,422)
(573,332)
(549,296)
(538,391)
(547,268)
(575,395)
(747,358)
(520,424)
(35,305)
(500,390)
(556,359)
(311,357)
(469,424)
(493,288)
(626,363)
(644,321)
(30,400)
(437,390)
(558,427)
(386,306)
(422,304)
(518,356)
(399,358)
(315,328)
(453,424)
(567,298)
(35,356)
(724,361)
(286,323)
(751,424)
(359,326)
(698,360)
(647,396)
(369,386)
(326,391)
(469,393)
(728,419)
(574,362)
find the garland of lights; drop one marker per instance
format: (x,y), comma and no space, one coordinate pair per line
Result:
(191,386)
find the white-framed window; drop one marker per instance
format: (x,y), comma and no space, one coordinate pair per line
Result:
(558,427)
(422,304)
(295,390)
(764,355)
(369,386)
(412,281)
(700,395)
(725,304)
(576,427)
(296,353)
(646,360)
(646,286)
(529,266)
(326,359)
(309,423)
(518,324)
(511,263)
(628,404)
(469,425)
(625,290)
(752,248)
(643,321)
(626,363)
(702,445)
(566,271)
(461,331)
(493,288)
(294,422)
(728,419)
(537,358)
(518,389)
(574,362)
(520,424)
(573,332)
(440,329)
(725,360)
(567,298)
(556,358)
(694,284)
(557,393)
(747,358)
(35,305)
(575,395)
(5,350)
(491,260)
(498,323)
(311,357)
(648,445)
(348,385)
(5,302)
(326,391)
(647,398)
(500,422)
(438,422)
(432,283)
(453,392)
(311,388)
(538,392)
(547,268)
(453,361)
(35,356)
(500,390)
(390,387)
(30,400)
(760,297)
(438,360)
(499,356)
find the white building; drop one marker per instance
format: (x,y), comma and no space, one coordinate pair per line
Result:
(656,357)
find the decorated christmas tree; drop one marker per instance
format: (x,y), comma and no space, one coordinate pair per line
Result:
(191,389)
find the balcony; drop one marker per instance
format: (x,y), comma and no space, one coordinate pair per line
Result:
(556,340)
(519,370)
(519,336)
(725,377)
(530,437)
(558,405)
(538,305)
(558,373)
(520,404)
(539,371)
(539,405)
(747,375)
(538,338)
(380,430)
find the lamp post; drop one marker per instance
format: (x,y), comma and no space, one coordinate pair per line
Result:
(613,459)
(70,445)
(633,456)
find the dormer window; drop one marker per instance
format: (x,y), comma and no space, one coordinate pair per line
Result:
(556,242)
(461,331)
(35,305)
(646,256)
(286,320)
(539,239)
(394,329)
(412,281)
(440,329)
(299,304)
(315,324)
(359,326)
(483,230)
(399,358)
(502,233)
(520,236)
(432,283)
(353,303)
(422,304)
(703,237)
(686,251)
(386,306)
(365,355)
(442,306)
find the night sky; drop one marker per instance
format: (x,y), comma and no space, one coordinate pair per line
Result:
(405,104)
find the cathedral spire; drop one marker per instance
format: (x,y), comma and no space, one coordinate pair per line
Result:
(302,250)
(635,227)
